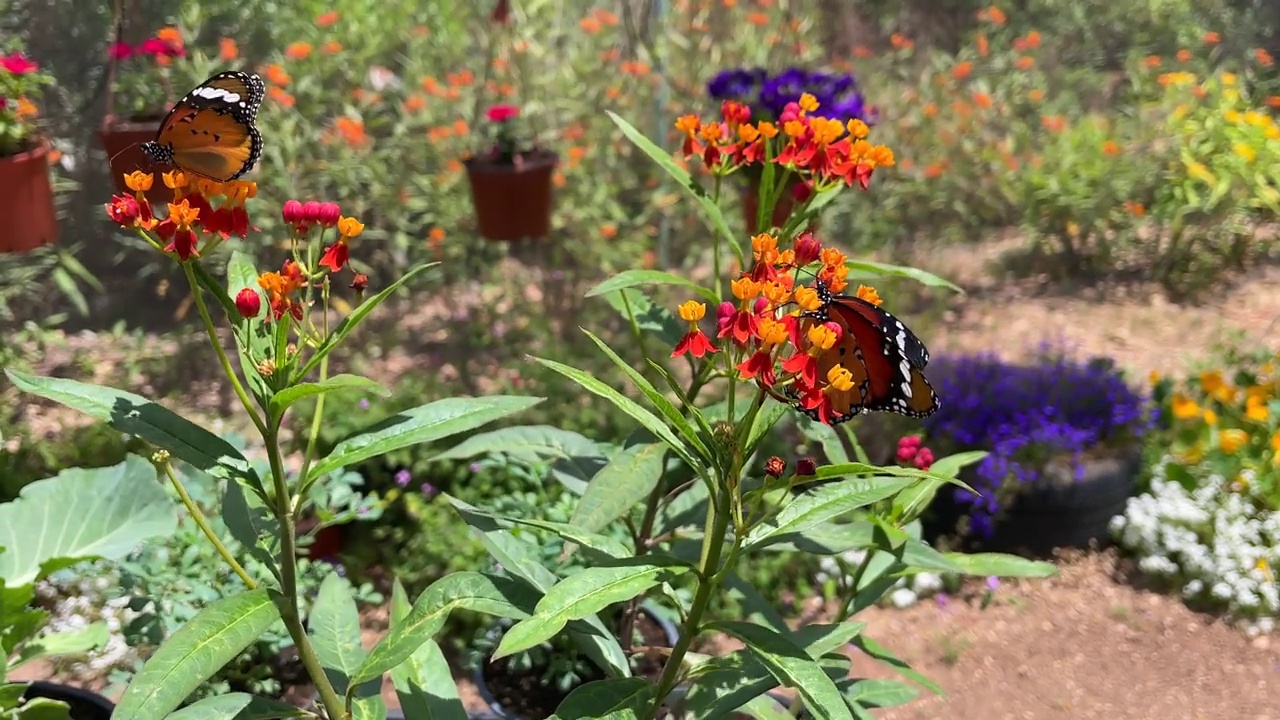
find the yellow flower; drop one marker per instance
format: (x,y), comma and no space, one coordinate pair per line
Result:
(745,288)
(1192,456)
(350,227)
(822,338)
(772,332)
(693,311)
(857,129)
(1232,440)
(1200,172)
(139,181)
(1256,411)
(1275,441)
(1154,377)
(1244,152)
(840,379)
(868,293)
(1228,78)
(1210,417)
(1265,568)
(807,298)
(808,103)
(1184,408)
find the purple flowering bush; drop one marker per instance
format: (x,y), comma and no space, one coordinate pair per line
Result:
(767,95)
(1026,415)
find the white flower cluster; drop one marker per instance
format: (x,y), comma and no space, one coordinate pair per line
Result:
(1212,541)
(904,593)
(79,601)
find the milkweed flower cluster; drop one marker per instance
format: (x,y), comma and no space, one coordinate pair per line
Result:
(829,151)
(199,207)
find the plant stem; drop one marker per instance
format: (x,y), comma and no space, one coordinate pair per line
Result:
(198,515)
(310,454)
(222,355)
(288,602)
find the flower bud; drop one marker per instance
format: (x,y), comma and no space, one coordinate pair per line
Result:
(360,283)
(724,315)
(906,453)
(248,303)
(292,212)
(775,466)
(806,467)
(801,192)
(924,459)
(807,248)
(329,213)
(311,212)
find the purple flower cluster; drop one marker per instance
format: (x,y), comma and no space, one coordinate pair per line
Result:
(1025,415)
(768,95)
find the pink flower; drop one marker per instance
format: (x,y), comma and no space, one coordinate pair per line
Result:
(924,459)
(502,113)
(17,64)
(120,51)
(156,47)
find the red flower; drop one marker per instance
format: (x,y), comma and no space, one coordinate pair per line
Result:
(807,248)
(120,51)
(695,343)
(501,13)
(183,243)
(153,47)
(124,210)
(328,214)
(292,212)
(360,283)
(759,364)
(17,64)
(924,459)
(248,303)
(502,113)
(336,255)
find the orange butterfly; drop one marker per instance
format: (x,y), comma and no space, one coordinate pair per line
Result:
(210,131)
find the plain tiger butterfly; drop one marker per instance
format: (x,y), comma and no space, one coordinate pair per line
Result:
(210,132)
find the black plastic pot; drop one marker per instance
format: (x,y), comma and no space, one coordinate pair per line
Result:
(85,705)
(672,633)
(1056,511)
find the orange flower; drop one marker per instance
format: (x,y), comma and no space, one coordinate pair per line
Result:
(609,231)
(1264,57)
(862,51)
(460,127)
(962,70)
(606,17)
(1184,55)
(26,109)
(280,96)
(1035,95)
(1135,209)
(1025,62)
(55,157)
(758,19)
(983,46)
(170,36)
(352,131)
(930,110)
(414,103)
(298,51)
(982,100)
(590,25)
(276,75)
(327,19)
(993,14)
(1211,38)
(227,49)
(333,47)
(436,236)
(1151,62)
(900,41)
(1274,102)
(1110,148)
(934,170)
(1053,123)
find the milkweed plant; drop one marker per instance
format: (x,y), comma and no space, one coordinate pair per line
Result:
(689,486)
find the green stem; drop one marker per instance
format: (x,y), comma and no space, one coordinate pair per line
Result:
(288,602)
(222,355)
(198,515)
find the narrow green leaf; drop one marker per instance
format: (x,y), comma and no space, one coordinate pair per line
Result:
(824,503)
(613,699)
(400,604)
(830,472)
(335,630)
(237,706)
(530,442)
(136,415)
(426,423)
(650,317)
(487,594)
(287,397)
(247,524)
(585,593)
(647,419)
(878,692)
(633,278)
(350,322)
(627,480)
(881,653)
(201,647)
(951,465)
(826,436)
(710,212)
(569,532)
(426,687)
(66,642)
(1000,565)
(790,665)
(765,420)
(867,268)
(759,609)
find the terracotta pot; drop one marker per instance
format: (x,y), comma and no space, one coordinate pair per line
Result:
(328,543)
(122,139)
(513,203)
(781,210)
(26,201)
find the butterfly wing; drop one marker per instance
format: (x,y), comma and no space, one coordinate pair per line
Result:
(893,358)
(210,132)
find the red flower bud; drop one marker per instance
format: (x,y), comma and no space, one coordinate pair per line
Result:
(292,212)
(761,304)
(329,213)
(311,212)
(807,248)
(724,315)
(924,459)
(906,453)
(912,441)
(801,192)
(248,303)
(502,13)
(775,466)
(806,467)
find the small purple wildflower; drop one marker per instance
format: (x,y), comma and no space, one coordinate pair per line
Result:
(364,403)
(475,467)
(943,600)
(428,490)
(993,583)
(403,477)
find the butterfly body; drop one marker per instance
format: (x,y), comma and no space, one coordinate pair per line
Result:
(885,359)
(210,132)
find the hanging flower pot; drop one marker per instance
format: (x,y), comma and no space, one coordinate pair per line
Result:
(510,186)
(26,201)
(122,140)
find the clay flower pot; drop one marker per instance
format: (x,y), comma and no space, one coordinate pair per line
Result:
(513,201)
(26,200)
(122,138)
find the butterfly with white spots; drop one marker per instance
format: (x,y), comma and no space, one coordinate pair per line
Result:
(210,132)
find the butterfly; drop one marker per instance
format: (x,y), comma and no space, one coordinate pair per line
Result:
(884,357)
(210,131)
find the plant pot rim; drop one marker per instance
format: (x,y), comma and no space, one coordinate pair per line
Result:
(647,607)
(534,160)
(59,691)
(40,149)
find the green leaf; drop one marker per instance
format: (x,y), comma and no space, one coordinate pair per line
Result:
(67,642)
(43,709)
(236,706)
(879,652)
(830,472)
(759,609)
(197,650)
(400,604)
(764,421)
(838,538)
(790,665)
(426,423)
(335,630)
(136,415)
(612,699)
(913,501)
(487,594)
(523,560)
(628,479)
(878,692)
(649,317)
(826,436)
(81,514)
(527,442)
(709,210)
(426,687)
(247,524)
(999,564)
(287,397)
(867,268)
(350,322)
(586,592)
(570,532)
(633,278)
(824,503)
(11,693)
(647,419)
(951,465)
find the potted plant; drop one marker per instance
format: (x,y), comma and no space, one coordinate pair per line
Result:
(511,181)
(59,522)
(26,195)
(140,90)
(1064,438)
(776,98)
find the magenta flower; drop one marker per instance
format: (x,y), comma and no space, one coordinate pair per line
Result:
(120,51)
(18,64)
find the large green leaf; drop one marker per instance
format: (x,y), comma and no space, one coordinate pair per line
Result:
(634,278)
(998,564)
(868,269)
(426,423)
(334,622)
(881,653)
(80,514)
(426,687)
(136,415)
(612,699)
(790,665)
(838,538)
(824,503)
(237,706)
(913,501)
(201,647)
(628,479)
(477,592)
(586,592)
(282,400)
